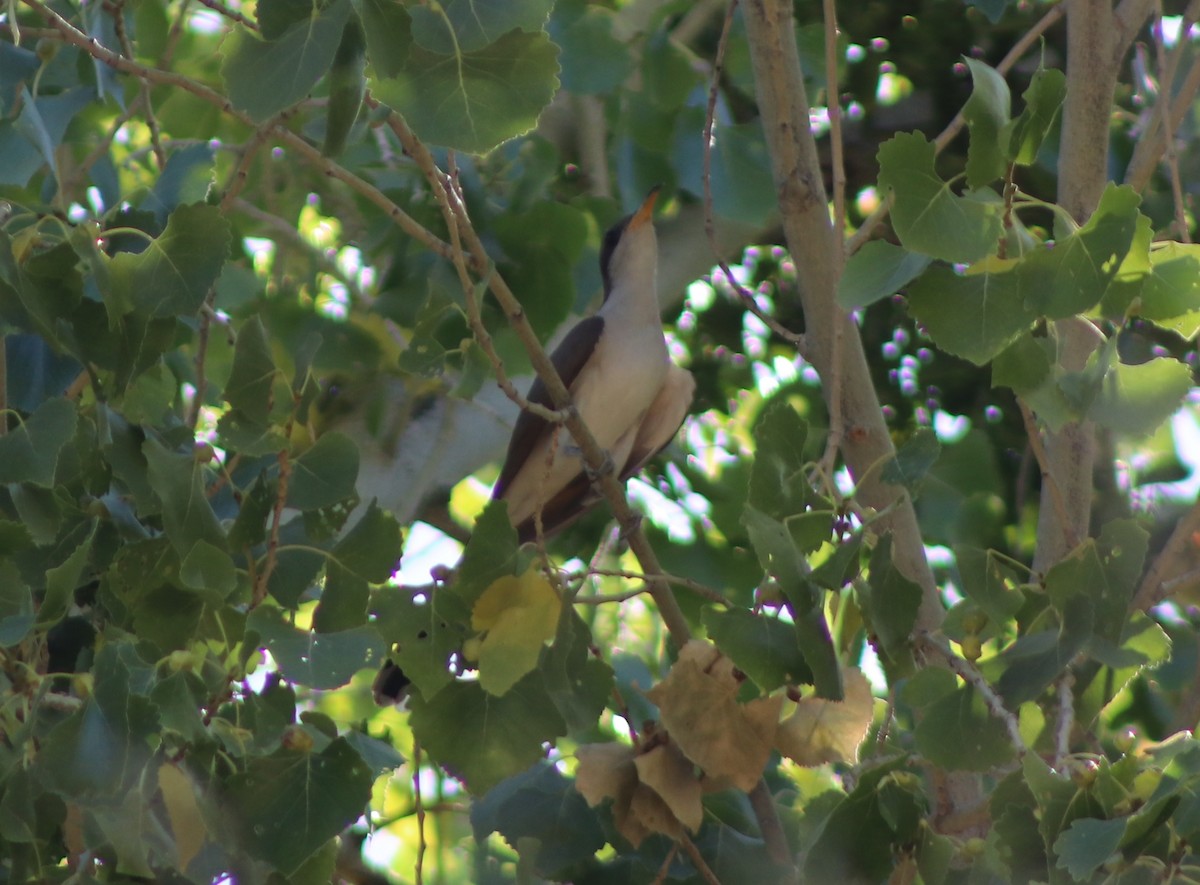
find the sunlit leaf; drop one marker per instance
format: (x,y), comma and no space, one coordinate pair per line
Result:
(987,114)
(475,100)
(517,616)
(265,76)
(929,217)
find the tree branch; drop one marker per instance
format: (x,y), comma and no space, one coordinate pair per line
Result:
(813,244)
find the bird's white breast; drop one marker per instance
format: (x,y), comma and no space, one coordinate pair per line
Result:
(633,364)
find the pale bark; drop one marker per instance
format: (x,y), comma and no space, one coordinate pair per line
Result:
(866,442)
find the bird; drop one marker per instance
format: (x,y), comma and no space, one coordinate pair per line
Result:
(627,391)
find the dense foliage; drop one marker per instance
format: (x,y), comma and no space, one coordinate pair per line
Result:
(910,600)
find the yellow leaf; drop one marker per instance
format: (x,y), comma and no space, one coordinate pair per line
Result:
(517,615)
(698,707)
(187,824)
(829,731)
(611,771)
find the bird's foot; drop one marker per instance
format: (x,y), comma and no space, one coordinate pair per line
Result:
(606,467)
(632,528)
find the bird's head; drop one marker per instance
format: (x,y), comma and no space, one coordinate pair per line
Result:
(629,254)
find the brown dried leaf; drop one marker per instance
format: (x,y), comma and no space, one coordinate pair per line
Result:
(698,707)
(668,773)
(829,731)
(647,813)
(605,771)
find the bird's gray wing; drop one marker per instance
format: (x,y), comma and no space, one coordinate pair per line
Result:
(569,359)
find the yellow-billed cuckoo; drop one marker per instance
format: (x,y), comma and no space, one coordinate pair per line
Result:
(627,391)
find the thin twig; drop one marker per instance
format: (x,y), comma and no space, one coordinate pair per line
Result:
(1170,156)
(420,808)
(746,296)
(246,154)
(231,14)
(693,853)
(833,103)
(271,557)
(695,586)
(1048,479)
(1066,720)
(202,335)
(969,674)
(1018,50)
(290,140)
(1170,561)
(118,15)
(174,35)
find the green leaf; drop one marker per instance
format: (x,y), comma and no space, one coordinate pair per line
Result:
(324,475)
(476,100)
(388,27)
(176,270)
(1170,292)
(318,660)
(42,123)
(344,599)
(743,189)
(957,732)
(1087,844)
(466,25)
(178,481)
(347,85)
(543,246)
(491,553)
(986,113)
(421,634)
(372,547)
(988,582)
(928,217)
(1034,661)
(101,749)
(778,483)
(1043,99)
(209,571)
(855,843)
(579,683)
(594,61)
(424,355)
(876,271)
(974,315)
(1025,365)
(762,647)
(29,452)
(264,77)
(889,601)
(482,739)
(252,376)
(45,293)
(276,16)
(1072,276)
(1136,399)
(913,460)
(64,579)
(540,804)
(16,605)
(291,803)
